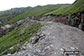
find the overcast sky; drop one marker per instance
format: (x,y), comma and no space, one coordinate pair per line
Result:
(7,4)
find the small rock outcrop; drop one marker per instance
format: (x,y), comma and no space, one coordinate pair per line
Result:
(51,17)
(7,28)
(36,38)
(76,20)
(52,40)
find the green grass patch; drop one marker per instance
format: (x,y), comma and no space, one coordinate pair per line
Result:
(69,9)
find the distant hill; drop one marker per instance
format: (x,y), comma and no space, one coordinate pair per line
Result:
(29,11)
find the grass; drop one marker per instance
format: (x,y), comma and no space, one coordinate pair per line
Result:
(59,11)
(69,9)
(76,7)
(37,11)
(16,40)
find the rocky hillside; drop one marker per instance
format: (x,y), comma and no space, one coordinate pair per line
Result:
(19,28)
(52,40)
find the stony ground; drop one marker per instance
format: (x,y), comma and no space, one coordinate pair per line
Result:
(52,39)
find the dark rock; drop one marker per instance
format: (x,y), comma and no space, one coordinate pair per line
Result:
(36,38)
(20,22)
(76,20)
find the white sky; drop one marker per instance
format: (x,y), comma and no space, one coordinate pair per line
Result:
(7,4)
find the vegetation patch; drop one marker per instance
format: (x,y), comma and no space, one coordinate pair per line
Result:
(78,6)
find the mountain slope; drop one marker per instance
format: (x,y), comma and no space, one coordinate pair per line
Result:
(59,11)
(35,11)
(78,6)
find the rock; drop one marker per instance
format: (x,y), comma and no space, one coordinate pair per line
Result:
(23,48)
(76,20)
(8,54)
(20,22)
(7,28)
(37,37)
(11,48)
(34,40)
